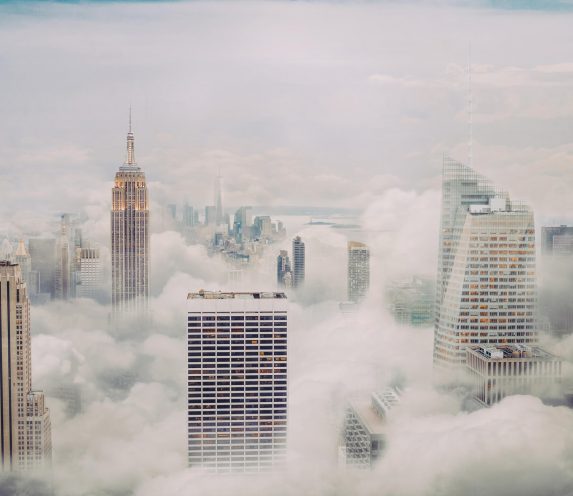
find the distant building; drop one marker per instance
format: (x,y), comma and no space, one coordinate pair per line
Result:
(219,212)
(358,270)
(411,302)
(69,238)
(90,278)
(557,240)
(500,371)
(298,255)
(172,211)
(25,443)
(43,258)
(188,216)
(242,224)
(363,431)
(23,259)
(263,227)
(284,274)
(237,386)
(210,215)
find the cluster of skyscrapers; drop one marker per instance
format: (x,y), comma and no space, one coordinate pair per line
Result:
(292,275)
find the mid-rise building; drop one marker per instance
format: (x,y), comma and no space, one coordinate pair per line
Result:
(500,371)
(363,438)
(130,237)
(90,279)
(411,301)
(486,292)
(24,421)
(284,274)
(237,381)
(557,240)
(358,270)
(298,255)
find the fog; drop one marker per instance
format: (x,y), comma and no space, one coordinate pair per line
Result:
(340,104)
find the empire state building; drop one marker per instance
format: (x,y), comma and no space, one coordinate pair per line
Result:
(129,237)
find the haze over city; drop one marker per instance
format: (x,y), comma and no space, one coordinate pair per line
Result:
(321,153)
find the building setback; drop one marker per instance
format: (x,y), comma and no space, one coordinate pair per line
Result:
(237,381)
(25,433)
(130,237)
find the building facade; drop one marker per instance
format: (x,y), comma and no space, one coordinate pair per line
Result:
(486,288)
(500,371)
(557,240)
(237,381)
(90,279)
(298,256)
(130,237)
(24,444)
(358,270)
(284,274)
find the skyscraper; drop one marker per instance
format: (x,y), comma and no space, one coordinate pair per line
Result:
(358,270)
(486,288)
(25,436)
(220,214)
(284,275)
(43,255)
(298,255)
(237,380)
(23,259)
(129,236)
(90,273)
(557,240)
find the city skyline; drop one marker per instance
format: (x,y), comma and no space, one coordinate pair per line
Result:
(341,132)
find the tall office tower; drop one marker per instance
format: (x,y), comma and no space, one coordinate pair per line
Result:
(298,255)
(23,445)
(358,270)
(557,240)
(237,380)
(220,214)
(90,278)
(210,215)
(283,269)
(129,236)
(64,260)
(188,215)
(43,255)
(263,227)
(486,292)
(242,225)
(23,259)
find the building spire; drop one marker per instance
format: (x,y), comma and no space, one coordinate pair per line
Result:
(130,144)
(470,108)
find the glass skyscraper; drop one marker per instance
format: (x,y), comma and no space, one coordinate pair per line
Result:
(486,285)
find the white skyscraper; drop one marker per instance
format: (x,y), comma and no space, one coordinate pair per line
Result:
(299,262)
(237,380)
(25,433)
(358,270)
(486,288)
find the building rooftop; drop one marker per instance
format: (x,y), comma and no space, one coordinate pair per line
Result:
(511,351)
(236,295)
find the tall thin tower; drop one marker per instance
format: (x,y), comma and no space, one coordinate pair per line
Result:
(219,200)
(130,236)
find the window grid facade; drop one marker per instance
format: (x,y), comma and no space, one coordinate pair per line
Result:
(237,382)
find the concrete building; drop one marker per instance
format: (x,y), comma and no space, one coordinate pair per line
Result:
(130,237)
(500,371)
(284,273)
(557,240)
(358,271)
(24,421)
(298,255)
(90,280)
(363,439)
(237,381)
(411,301)
(486,293)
